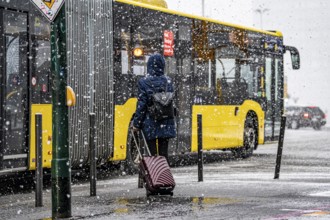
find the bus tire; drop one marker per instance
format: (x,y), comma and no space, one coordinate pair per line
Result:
(131,163)
(250,140)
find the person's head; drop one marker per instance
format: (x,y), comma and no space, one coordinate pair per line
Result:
(156,65)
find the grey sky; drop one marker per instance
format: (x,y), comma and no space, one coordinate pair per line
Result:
(305,24)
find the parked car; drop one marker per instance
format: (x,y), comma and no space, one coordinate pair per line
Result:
(305,116)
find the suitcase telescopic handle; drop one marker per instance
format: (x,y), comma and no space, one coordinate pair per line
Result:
(145,143)
(138,146)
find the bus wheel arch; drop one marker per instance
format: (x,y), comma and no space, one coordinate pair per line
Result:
(250,136)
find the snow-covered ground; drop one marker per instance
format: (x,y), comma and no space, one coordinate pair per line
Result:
(232,189)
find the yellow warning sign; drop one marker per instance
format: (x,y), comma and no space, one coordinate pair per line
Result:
(49,8)
(49,3)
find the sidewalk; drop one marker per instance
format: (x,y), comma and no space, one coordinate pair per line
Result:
(224,194)
(116,196)
(119,198)
(232,189)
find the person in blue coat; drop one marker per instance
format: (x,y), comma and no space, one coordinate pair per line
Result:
(161,131)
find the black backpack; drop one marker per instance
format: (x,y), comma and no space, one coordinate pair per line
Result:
(162,107)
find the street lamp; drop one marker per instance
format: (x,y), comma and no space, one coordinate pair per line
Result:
(203,7)
(261,11)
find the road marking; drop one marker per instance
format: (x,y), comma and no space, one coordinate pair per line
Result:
(18,169)
(319,213)
(301,210)
(296,213)
(321,194)
(15,156)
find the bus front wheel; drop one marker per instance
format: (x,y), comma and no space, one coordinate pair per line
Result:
(249,141)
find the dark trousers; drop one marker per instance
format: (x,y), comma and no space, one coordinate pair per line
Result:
(162,147)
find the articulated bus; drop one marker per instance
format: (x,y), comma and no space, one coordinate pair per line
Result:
(232,75)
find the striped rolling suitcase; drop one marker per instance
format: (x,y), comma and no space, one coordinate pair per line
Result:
(156,173)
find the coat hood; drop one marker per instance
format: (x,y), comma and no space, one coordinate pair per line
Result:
(156,65)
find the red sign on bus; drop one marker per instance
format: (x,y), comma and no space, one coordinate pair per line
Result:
(168,43)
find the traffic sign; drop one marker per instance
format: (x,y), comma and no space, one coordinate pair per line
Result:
(49,8)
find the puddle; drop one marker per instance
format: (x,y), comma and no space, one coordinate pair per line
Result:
(157,207)
(170,204)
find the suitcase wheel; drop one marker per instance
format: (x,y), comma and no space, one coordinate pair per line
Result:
(151,194)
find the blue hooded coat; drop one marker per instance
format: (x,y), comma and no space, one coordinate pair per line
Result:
(154,81)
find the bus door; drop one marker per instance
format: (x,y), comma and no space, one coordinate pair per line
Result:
(14,89)
(220,124)
(274,96)
(184,99)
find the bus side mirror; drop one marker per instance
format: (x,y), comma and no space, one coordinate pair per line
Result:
(295,58)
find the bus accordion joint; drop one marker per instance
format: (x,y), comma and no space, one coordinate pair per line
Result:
(70,97)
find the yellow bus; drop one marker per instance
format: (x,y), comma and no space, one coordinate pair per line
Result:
(232,75)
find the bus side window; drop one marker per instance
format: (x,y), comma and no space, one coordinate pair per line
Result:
(140,65)
(225,72)
(125,67)
(268,75)
(204,77)
(170,67)
(250,76)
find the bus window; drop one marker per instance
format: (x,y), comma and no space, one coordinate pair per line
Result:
(170,67)
(203,73)
(250,75)
(225,68)
(123,59)
(204,81)
(268,71)
(234,77)
(125,53)
(142,29)
(140,65)
(276,86)
(125,68)
(40,60)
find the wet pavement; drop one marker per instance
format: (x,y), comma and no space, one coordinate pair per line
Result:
(232,189)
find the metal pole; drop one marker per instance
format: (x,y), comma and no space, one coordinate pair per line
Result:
(200,147)
(91,11)
(261,11)
(39,176)
(203,8)
(280,148)
(61,164)
(92,153)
